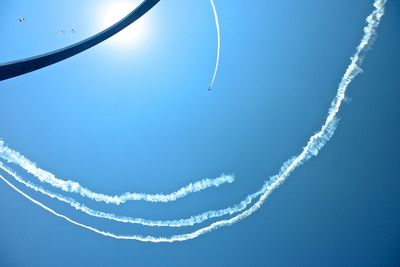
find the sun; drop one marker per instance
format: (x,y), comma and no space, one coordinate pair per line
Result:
(112,12)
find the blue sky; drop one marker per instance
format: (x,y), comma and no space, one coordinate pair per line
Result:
(139,117)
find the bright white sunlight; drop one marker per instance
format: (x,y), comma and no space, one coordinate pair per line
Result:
(114,11)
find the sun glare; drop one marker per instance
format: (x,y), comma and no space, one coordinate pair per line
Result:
(114,11)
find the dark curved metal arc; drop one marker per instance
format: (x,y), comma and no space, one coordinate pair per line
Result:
(23,66)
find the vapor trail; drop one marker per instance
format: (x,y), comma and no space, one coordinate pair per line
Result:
(314,145)
(219,43)
(34,201)
(69,186)
(14,157)
(316,141)
(200,218)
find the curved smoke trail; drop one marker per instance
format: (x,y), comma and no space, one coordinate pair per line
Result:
(16,158)
(314,145)
(196,219)
(219,43)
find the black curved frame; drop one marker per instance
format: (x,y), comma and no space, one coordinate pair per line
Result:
(19,67)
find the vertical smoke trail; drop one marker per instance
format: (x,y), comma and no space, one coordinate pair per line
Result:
(73,187)
(219,43)
(319,139)
(314,145)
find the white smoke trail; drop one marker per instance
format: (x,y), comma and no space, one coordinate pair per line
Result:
(315,143)
(219,43)
(34,201)
(73,187)
(14,157)
(134,220)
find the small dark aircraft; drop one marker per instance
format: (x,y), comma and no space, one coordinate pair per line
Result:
(19,67)
(21,20)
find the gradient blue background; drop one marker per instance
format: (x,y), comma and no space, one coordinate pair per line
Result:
(142,120)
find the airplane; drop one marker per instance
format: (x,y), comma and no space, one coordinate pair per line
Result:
(16,68)
(73,31)
(21,20)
